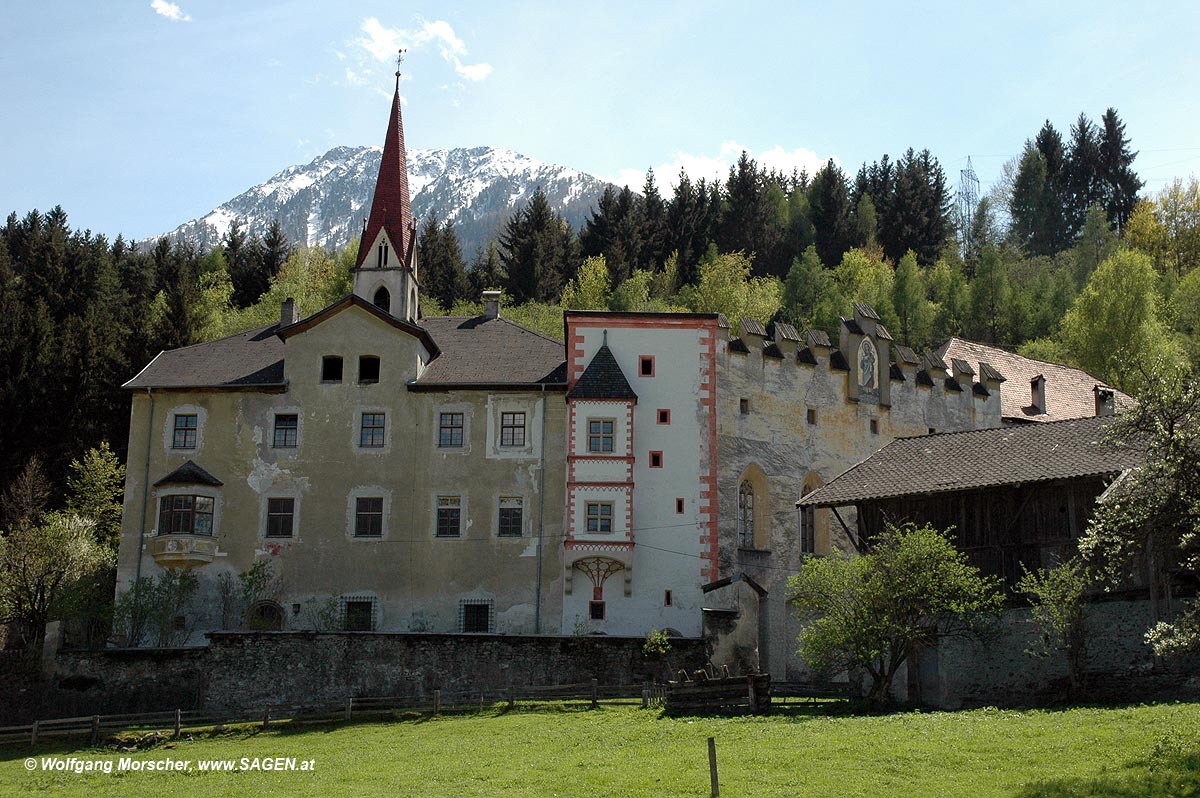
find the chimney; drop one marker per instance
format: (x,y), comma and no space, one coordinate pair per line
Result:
(1037,388)
(1105,404)
(491,304)
(288,313)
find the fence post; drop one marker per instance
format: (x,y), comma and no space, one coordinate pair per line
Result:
(481,701)
(266,718)
(595,694)
(349,707)
(95,729)
(645,695)
(33,733)
(712,767)
(178,722)
(753,698)
(437,702)
(512,696)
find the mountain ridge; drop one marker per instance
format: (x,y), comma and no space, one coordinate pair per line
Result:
(322,203)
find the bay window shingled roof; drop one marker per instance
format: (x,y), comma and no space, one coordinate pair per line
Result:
(189,474)
(975,459)
(602,379)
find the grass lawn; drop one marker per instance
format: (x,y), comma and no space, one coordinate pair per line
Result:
(1149,750)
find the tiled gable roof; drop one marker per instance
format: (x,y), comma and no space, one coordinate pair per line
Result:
(1068,390)
(957,461)
(246,360)
(486,351)
(602,379)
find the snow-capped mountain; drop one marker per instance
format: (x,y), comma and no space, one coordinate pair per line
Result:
(322,203)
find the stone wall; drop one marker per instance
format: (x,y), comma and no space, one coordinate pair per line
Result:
(253,670)
(256,669)
(1120,666)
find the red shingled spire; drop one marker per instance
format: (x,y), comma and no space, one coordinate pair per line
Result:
(390,207)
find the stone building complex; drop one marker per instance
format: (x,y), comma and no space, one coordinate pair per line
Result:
(447,474)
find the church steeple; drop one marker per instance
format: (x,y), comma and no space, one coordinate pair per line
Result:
(386,269)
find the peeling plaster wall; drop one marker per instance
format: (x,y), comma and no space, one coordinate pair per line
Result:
(776,437)
(417,580)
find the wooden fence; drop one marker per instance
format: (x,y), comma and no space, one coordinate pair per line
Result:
(175,722)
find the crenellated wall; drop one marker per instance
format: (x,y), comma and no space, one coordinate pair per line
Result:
(793,412)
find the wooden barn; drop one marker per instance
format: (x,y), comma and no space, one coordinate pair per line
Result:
(1016,496)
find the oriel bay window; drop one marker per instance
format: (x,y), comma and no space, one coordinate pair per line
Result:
(600,436)
(599,517)
(185,515)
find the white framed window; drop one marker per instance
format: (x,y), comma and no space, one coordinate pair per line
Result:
(368,516)
(599,517)
(601,435)
(510,517)
(186,431)
(186,514)
(512,429)
(448,521)
(287,431)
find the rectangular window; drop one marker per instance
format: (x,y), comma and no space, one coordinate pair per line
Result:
(281,514)
(512,429)
(679,506)
(449,516)
(287,431)
(600,436)
(664,416)
(596,610)
(666,598)
(808,530)
(511,517)
(371,435)
(646,365)
(874,426)
(812,416)
(450,430)
(368,517)
(359,616)
(185,515)
(599,517)
(185,431)
(475,616)
(331,368)
(656,460)
(368,370)
(744,406)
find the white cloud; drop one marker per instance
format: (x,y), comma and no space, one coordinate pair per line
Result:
(383,42)
(716,166)
(171,11)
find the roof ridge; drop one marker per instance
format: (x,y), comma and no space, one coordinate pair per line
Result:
(222,338)
(1032,425)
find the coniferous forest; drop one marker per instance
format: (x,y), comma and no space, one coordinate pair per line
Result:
(1065,259)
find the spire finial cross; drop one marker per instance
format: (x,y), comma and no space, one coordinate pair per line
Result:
(399,60)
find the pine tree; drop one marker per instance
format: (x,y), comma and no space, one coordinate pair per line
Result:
(689,225)
(275,249)
(539,252)
(828,198)
(442,268)
(486,272)
(1083,185)
(654,233)
(990,295)
(1120,184)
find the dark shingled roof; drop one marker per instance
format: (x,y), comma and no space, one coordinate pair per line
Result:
(881,332)
(477,351)
(866,311)
(806,356)
(723,321)
(935,361)
(851,325)
(905,355)
(786,332)
(988,372)
(189,474)
(250,359)
(818,338)
(485,351)
(895,373)
(753,327)
(974,459)
(838,361)
(962,366)
(736,345)
(1068,390)
(772,350)
(923,378)
(602,379)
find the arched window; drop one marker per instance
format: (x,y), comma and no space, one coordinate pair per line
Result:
(745,517)
(381,257)
(808,544)
(383,299)
(265,616)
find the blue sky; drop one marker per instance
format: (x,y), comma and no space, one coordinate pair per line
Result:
(137,116)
